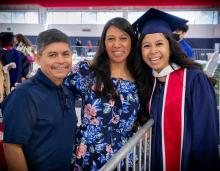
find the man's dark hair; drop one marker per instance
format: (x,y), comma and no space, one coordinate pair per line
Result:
(50,36)
(183,28)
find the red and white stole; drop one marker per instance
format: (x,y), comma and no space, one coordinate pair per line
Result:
(7,47)
(172,121)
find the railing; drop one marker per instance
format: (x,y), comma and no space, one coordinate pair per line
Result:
(139,144)
(202,54)
(82,51)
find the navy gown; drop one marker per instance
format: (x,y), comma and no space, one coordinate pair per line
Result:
(200,138)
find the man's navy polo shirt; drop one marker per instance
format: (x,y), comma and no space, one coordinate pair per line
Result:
(41,116)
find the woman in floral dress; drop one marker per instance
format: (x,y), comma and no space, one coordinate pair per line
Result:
(109,94)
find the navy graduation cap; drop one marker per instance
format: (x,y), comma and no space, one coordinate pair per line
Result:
(156,21)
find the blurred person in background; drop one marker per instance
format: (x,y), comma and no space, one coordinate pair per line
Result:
(89,46)
(22,44)
(10,55)
(78,45)
(179,35)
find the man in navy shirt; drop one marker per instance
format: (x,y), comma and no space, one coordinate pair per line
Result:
(39,115)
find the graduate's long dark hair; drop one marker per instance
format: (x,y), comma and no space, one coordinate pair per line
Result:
(101,66)
(144,72)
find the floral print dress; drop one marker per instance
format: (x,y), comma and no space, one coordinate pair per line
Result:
(106,123)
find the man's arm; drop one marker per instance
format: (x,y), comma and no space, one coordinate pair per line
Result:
(15,157)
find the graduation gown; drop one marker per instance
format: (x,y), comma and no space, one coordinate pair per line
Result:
(22,64)
(187,49)
(200,128)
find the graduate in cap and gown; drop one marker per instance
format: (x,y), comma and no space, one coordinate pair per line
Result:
(178,96)
(9,55)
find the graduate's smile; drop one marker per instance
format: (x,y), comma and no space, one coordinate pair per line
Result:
(155,60)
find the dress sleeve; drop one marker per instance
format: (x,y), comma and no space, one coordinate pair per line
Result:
(79,79)
(19,117)
(205,127)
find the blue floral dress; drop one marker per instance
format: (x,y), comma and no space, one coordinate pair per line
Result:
(106,123)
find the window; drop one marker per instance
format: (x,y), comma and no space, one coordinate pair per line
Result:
(74,18)
(103,17)
(133,16)
(56,18)
(197,17)
(5,17)
(31,17)
(64,17)
(88,17)
(19,17)
(194,17)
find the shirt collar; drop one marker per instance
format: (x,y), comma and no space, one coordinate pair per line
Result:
(167,70)
(45,80)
